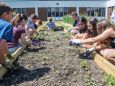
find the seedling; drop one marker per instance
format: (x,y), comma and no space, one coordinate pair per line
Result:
(84,64)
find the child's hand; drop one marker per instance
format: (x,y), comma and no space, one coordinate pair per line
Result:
(91,49)
(9,56)
(76,42)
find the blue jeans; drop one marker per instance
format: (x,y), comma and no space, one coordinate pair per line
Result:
(13,49)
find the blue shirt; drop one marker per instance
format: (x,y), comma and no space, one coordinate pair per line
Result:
(76,22)
(30,24)
(51,25)
(6,30)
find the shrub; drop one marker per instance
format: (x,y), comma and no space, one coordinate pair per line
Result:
(67,19)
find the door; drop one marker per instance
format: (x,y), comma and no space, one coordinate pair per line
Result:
(42,14)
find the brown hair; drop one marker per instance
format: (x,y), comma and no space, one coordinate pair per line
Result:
(74,13)
(14,21)
(40,22)
(113,26)
(21,17)
(102,26)
(33,16)
(18,18)
(93,22)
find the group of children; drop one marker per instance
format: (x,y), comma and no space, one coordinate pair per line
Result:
(91,34)
(15,29)
(18,30)
(94,35)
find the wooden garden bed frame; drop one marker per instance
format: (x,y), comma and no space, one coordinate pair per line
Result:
(4,70)
(102,63)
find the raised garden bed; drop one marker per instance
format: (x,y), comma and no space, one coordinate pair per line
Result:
(54,63)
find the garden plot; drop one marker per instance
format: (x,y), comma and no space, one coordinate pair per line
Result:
(54,63)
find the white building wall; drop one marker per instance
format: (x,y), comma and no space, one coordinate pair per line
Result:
(110,3)
(25,4)
(38,4)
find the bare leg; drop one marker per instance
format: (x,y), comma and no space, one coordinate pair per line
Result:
(25,40)
(112,60)
(109,54)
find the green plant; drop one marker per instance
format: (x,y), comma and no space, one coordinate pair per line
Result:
(67,19)
(86,16)
(84,64)
(110,80)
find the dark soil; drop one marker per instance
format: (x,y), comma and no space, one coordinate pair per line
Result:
(53,63)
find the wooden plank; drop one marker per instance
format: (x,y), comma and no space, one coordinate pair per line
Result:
(105,65)
(17,53)
(4,70)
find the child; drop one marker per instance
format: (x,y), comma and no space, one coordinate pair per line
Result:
(6,30)
(25,37)
(76,20)
(82,31)
(51,25)
(17,32)
(92,30)
(31,24)
(113,16)
(92,27)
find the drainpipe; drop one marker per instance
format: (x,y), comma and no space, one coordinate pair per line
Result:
(36,11)
(106,12)
(77,9)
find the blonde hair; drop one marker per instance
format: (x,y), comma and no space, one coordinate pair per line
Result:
(14,21)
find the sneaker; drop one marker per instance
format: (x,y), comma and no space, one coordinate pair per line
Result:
(70,43)
(86,55)
(73,44)
(34,43)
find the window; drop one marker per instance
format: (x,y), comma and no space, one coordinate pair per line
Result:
(65,10)
(98,12)
(53,12)
(49,12)
(57,11)
(61,11)
(23,11)
(19,10)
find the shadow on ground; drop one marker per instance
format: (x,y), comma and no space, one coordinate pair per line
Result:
(21,75)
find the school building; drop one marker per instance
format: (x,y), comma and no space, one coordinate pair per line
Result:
(58,8)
